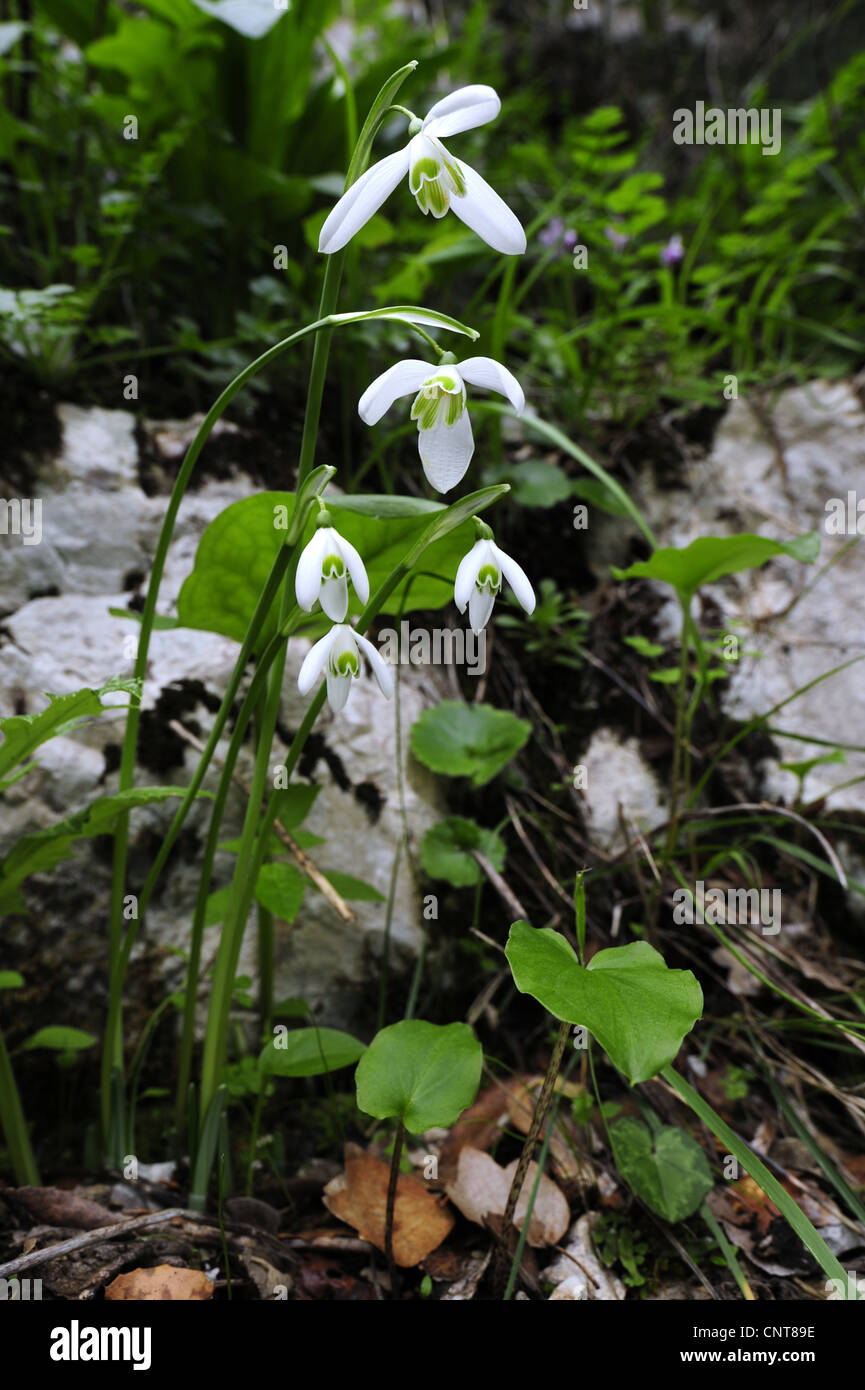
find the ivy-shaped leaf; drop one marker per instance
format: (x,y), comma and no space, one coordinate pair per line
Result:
(638,1009)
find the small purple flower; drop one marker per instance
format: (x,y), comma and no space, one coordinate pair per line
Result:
(557,237)
(619,239)
(673,251)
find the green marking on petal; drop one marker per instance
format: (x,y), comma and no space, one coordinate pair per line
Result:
(488,576)
(332,567)
(453,409)
(426,407)
(425,169)
(346,664)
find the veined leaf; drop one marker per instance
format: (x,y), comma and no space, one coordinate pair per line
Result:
(711,557)
(23,733)
(638,1009)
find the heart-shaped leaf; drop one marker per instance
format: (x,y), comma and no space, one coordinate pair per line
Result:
(446,851)
(711,557)
(309,1052)
(424,1074)
(467,740)
(668,1170)
(638,1009)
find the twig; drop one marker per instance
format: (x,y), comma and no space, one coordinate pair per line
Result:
(507,894)
(324,886)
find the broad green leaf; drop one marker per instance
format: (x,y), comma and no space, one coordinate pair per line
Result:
(534,483)
(424,1074)
(43,849)
(293,805)
(355,889)
(23,733)
(668,1169)
(59,1040)
(10,979)
(711,557)
(467,740)
(638,1009)
(446,851)
(236,553)
(280,889)
(309,1052)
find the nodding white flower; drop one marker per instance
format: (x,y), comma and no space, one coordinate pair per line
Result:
(437,180)
(445,440)
(338,654)
(323,572)
(479,581)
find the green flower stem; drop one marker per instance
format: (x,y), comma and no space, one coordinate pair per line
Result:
(757,1170)
(253,695)
(14,1124)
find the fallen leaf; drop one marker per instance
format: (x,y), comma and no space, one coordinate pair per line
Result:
(577,1272)
(480,1189)
(359,1197)
(162,1282)
(53,1206)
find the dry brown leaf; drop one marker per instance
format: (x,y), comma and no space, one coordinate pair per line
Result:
(480,1189)
(162,1282)
(54,1206)
(478,1127)
(359,1197)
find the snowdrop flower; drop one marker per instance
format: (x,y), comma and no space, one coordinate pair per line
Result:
(435,178)
(324,569)
(479,579)
(338,655)
(445,440)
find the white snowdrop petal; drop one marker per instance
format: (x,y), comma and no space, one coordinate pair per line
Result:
(334,598)
(467,573)
(380,668)
(446,451)
(338,691)
(356,568)
(402,379)
(518,580)
(492,376)
(480,607)
(364,198)
(314,663)
(486,213)
(307,581)
(464,109)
